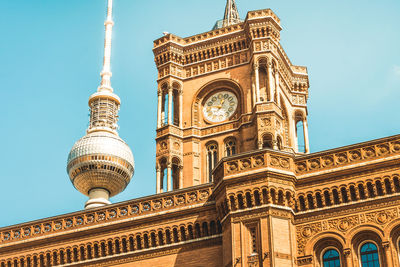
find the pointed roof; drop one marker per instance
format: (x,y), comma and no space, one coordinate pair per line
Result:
(231,16)
(231,13)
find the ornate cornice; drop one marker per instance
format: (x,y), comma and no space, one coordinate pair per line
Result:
(349,156)
(112,214)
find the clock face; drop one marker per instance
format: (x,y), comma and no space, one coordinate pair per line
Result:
(220,106)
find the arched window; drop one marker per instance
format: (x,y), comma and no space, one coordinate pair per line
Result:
(230,147)
(175,105)
(176,173)
(212,159)
(369,255)
(163,97)
(331,258)
(300,134)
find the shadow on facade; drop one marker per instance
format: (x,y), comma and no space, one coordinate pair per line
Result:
(200,241)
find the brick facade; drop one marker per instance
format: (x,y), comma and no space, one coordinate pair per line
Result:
(263,203)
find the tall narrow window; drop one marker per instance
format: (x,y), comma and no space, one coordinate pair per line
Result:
(230,148)
(331,258)
(253,240)
(212,159)
(300,134)
(164,180)
(176,173)
(369,255)
(175,107)
(164,110)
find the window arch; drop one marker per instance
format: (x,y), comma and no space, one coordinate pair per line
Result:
(212,159)
(331,258)
(369,255)
(230,147)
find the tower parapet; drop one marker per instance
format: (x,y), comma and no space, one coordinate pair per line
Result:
(101,165)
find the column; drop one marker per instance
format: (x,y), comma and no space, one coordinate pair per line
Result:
(180,108)
(159,120)
(180,177)
(229,205)
(306,202)
(277,89)
(275,144)
(388,254)
(260,144)
(357,192)
(253,90)
(340,196)
(169,177)
(294,135)
(331,198)
(158,181)
(58,257)
(156,239)
(270,84)
(347,256)
(170,97)
(305,132)
(257,77)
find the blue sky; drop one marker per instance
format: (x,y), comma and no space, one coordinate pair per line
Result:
(51,56)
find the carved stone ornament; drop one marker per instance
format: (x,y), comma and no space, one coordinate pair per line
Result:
(258,161)
(386,245)
(344,224)
(304,260)
(347,252)
(396,146)
(163,146)
(176,145)
(265,122)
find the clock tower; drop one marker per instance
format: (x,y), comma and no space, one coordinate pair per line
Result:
(228,91)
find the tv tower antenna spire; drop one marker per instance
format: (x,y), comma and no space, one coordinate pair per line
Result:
(100,164)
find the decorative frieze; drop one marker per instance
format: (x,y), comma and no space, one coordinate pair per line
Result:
(380,218)
(257,160)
